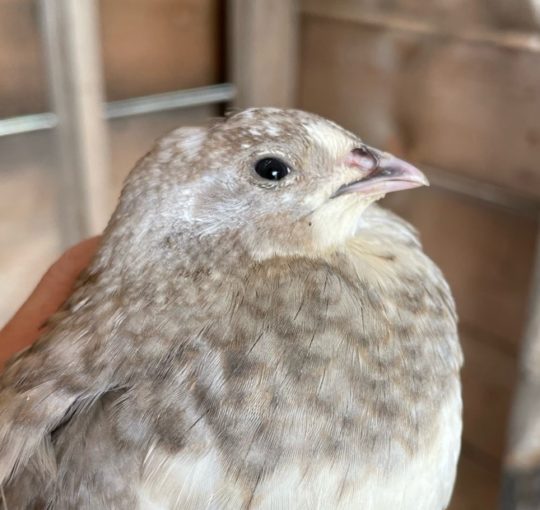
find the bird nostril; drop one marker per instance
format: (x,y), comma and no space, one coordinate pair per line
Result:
(363,158)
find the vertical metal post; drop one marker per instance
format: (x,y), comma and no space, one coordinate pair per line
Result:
(262,36)
(71,38)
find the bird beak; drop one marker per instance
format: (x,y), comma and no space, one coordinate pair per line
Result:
(389,174)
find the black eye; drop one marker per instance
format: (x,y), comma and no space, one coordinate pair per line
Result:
(272,169)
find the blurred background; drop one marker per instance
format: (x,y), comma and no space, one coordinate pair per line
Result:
(452,86)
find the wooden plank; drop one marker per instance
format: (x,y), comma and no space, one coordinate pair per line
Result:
(262,53)
(445,103)
(473,21)
(477,488)
(23,79)
(160,46)
(489,377)
(74,68)
(486,254)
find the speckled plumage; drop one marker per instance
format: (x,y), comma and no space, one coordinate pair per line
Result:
(242,344)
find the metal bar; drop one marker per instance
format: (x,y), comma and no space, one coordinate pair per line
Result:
(221,93)
(27,123)
(212,94)
(72,52)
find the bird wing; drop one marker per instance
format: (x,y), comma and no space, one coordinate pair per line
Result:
(29,412)
(42,387)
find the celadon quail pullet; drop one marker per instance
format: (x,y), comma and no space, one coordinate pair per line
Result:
(254,333)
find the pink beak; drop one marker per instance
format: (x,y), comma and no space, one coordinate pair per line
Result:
(388,174)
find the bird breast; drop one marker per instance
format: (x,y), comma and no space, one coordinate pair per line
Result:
(314,379)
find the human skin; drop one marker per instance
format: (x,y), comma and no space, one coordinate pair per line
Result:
(52,290)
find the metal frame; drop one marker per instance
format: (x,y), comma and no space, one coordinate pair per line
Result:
(73,63)
(212,94)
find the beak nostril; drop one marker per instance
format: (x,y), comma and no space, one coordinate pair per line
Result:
(364,158)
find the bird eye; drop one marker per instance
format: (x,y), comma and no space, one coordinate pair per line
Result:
(272,169)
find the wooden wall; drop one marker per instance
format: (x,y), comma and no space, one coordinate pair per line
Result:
(454,90)
(22,82)
(148,47)
(161,45)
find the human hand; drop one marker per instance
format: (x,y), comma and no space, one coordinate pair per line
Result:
(52,290)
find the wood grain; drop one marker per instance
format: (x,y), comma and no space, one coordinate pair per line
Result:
(502,22)
(262,51)
(159,46)
(476,487)
(148,47)
(489,379)
(23,80)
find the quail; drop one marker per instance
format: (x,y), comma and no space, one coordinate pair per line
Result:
(255,332)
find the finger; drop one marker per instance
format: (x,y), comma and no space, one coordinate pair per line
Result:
(52,290)
(61,276)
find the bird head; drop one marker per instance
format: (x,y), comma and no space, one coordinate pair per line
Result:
(281,182)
